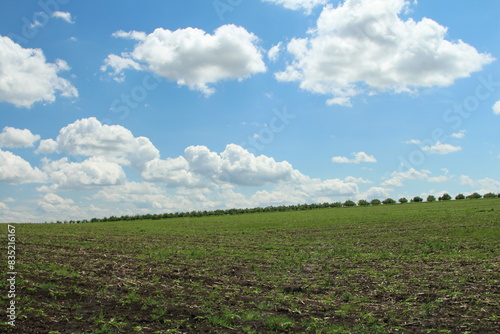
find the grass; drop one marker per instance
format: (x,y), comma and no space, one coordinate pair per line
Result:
(423,267)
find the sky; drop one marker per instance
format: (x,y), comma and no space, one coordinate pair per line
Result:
(125,107)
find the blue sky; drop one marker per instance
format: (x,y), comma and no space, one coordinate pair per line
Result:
(133,107)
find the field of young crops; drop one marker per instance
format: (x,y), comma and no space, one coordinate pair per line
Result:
(421,267)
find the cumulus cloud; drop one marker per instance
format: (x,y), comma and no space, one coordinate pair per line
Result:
(374,193)
(54,203)
(363,45)
(54,207)
(65,16)
(88,137)
(466,180)
(200,169)
(321,190)
(3,207)
(438,179)
(145,197)
(95,171)
(191,57)
(460,134)
(136,197)
(16,170)
(304,189)
(359,157)
(274,52)
(398,178)
(244,168)
(118,64)
(173,172)
(47,146)
(135,35)
(306,5)
(496,108)
(440,148)
(357,180)
(15,138)
(482,186)
(27,78)
(235,165)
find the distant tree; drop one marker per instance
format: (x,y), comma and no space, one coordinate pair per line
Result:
(431,198)
(403,200)
(445,197)
(417,199)
(388,201)
(474,196)
(336,205)
(375,202)
(460,196)
(349,203)
(489,195)
(498,195)
(363,202)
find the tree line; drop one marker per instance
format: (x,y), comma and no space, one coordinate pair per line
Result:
(281,208)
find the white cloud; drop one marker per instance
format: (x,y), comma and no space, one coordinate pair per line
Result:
(364,43)
(352,179)
(440,148)
(466,180)
(54,203)
(135,35)
(273,53)
(434,193)
(118,65)
(242,167)
(95,171)
(413,141)
(136,197)
(460,134)
(27,78)
(411,174)
(88,137)
(193,58)
(16,170)
(496,108)
(306,5)
(322,190)
(52,207)
(264,198)
(14,138)
(340,101)
(66,16)
(374,193)
(201,168)
(235,165)
(359,157)
(172,172)
(47,146)
(303,189)
(3,207)
(483,186)
(398,178)
(438,179)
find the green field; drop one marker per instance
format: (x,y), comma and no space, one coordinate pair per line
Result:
(422,267)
